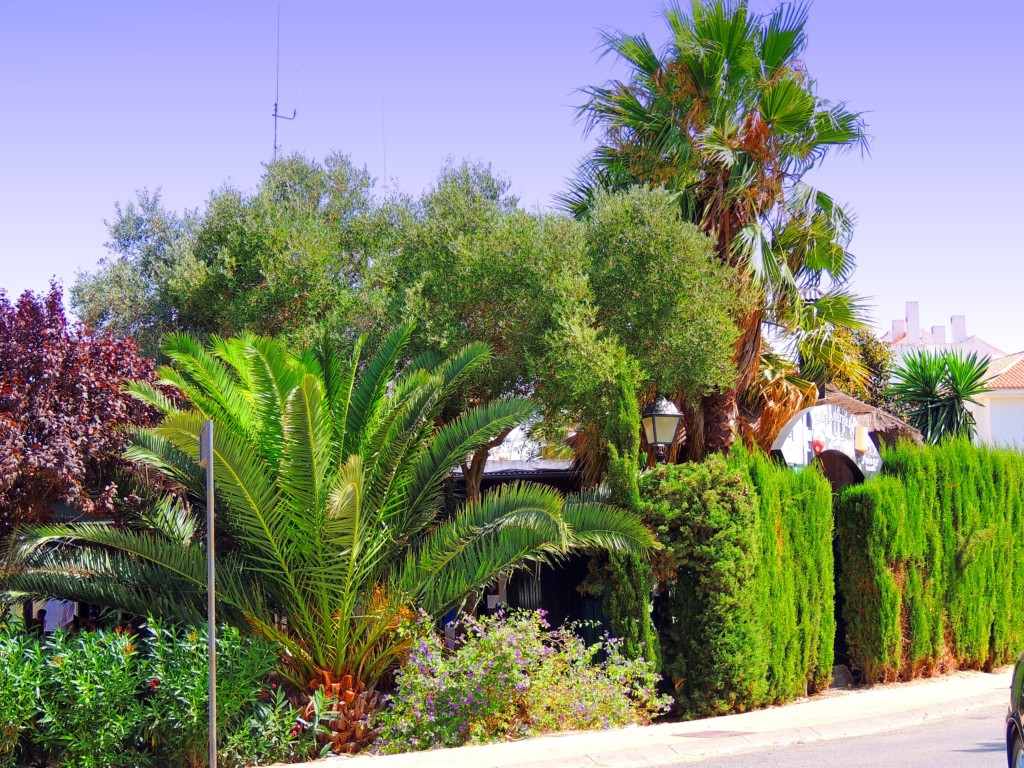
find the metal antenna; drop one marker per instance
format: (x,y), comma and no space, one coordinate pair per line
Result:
(384,143)
(277,85)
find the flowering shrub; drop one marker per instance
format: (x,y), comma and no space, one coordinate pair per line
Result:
(512,677)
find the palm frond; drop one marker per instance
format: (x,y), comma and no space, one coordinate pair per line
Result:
(368,393)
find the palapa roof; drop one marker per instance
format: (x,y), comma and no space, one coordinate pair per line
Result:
(887,427)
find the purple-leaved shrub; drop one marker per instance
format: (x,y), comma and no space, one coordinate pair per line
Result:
(509,677)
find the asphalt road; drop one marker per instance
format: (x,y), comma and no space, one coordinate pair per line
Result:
(973,740)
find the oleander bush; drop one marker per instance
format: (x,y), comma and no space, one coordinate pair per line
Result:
(107,698)
(91,708)
(509,677)
(932,566)
(746,612)
(21,674)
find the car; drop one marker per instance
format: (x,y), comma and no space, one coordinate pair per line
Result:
(1014,726)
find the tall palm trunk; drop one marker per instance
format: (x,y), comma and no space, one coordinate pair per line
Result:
(719,412)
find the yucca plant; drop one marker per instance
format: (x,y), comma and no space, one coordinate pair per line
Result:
(936,387)
(329,505)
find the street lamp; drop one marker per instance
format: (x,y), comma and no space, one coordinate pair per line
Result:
(660,421)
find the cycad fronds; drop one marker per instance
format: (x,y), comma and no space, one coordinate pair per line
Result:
(328,492)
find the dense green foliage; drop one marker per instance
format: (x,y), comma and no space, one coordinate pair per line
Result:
(568,308)
(511,677)
(470,266)
(329,479)
(931,566)
(286,259)
(565,306)
(935,388)
(625,582)
(99,699)
(746,614)
(876,358)
(658,289)
(705,516)
(654,308)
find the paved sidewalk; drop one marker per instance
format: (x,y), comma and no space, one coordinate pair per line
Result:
(833,715)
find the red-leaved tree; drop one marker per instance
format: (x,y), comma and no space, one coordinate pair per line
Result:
(63,414)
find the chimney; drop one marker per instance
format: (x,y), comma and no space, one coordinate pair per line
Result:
(899,327)
(958,324)
(913,323)
(939,334)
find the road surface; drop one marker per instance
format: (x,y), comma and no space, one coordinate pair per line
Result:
(972,740)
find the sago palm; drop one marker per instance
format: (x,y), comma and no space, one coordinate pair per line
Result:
(727,118)
(329,505)
(936,387)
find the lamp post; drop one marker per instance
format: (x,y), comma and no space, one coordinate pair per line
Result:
(660,421)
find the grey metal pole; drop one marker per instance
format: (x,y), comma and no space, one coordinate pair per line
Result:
(206,459)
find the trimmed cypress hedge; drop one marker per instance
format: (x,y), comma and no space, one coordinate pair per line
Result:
(796,575)
(932,561)
(747,607)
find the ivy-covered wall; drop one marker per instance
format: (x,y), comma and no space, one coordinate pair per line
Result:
(932,556)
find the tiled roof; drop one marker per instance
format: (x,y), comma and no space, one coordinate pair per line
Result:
(1007,372)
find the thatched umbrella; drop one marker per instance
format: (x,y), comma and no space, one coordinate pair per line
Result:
(881,425)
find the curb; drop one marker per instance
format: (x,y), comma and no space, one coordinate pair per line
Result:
(834,715)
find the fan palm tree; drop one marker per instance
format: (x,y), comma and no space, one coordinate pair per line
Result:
(727,118)
(936,387)
(329,505)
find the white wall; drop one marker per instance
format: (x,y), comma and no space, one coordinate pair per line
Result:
(982,420)
(1001,420)
(1008,421)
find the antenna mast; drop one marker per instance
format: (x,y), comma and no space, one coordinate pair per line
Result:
(277,86)
(384,143)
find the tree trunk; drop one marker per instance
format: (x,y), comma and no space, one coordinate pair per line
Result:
(473,472)
(693,422)
(747,352)
(718,413)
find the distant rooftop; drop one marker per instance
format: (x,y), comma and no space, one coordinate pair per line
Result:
(1007,372)
(908,334)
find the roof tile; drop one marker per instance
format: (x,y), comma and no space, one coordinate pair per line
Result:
(1007,372)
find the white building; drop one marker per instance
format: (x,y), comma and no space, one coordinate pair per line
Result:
(1000,418)
(1000,413)
(907,335)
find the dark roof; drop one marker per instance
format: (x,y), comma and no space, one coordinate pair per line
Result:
(518,467)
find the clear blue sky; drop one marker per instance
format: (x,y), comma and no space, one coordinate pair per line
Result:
(100,99)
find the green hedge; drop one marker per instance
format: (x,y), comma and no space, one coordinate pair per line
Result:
(932,561)
(747,580)
(796,577)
